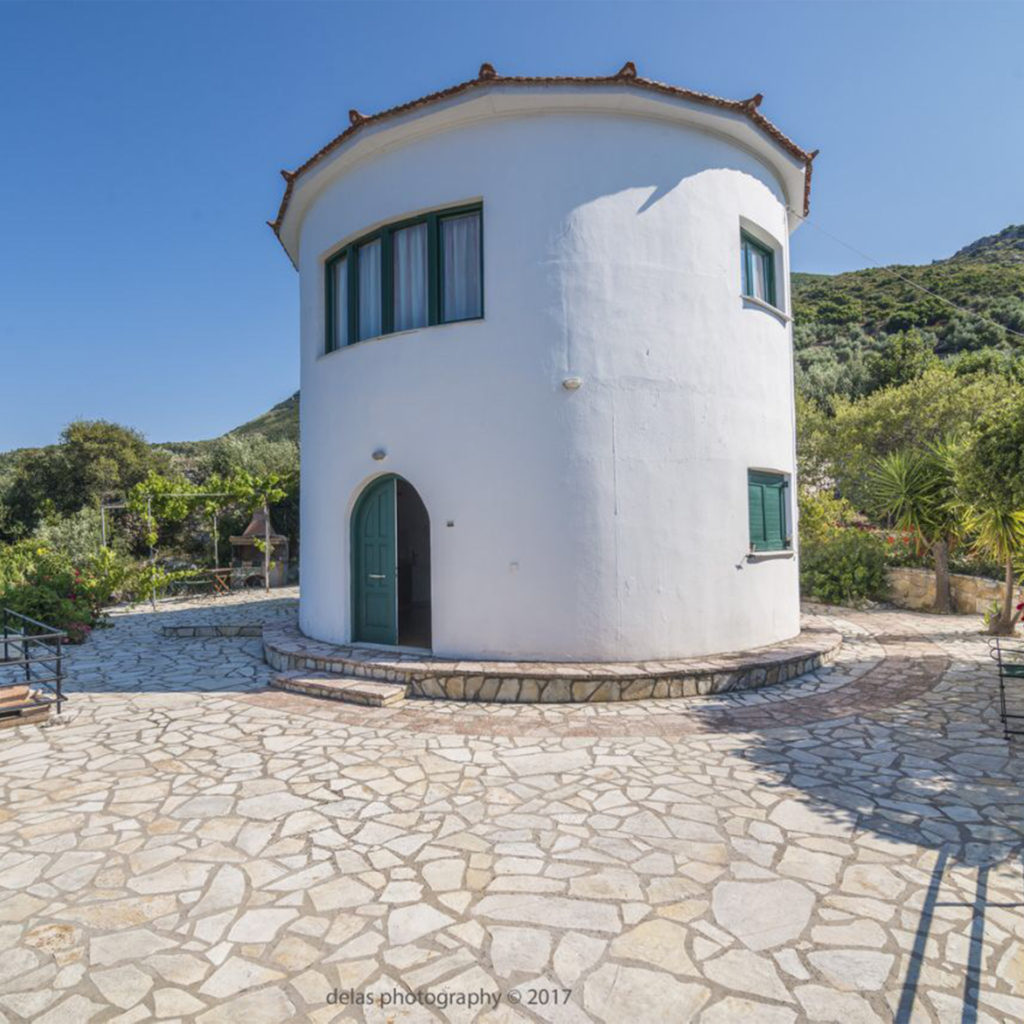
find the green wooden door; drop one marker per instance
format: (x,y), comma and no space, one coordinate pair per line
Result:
(374,589)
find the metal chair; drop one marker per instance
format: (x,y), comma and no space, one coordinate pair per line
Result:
(1008,654)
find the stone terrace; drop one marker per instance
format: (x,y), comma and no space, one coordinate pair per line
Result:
(286,648)
(189,845)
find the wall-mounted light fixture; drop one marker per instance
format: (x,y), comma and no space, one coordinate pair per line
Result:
(379,455)
(572,383)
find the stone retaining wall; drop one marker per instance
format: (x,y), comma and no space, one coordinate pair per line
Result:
(286,649)
(915,588)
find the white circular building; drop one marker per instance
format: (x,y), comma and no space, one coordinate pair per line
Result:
(547,376)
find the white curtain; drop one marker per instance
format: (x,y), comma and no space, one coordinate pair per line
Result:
(339,301)
(758,264)
(369,290)
(410,284)
(460,242)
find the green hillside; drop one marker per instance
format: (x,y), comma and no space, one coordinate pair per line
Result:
(281,423)
(846,324)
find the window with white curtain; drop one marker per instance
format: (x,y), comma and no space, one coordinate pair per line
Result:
(758,269)
(338,314)
(461,294)
(413,273)
(369,290)
(409,246)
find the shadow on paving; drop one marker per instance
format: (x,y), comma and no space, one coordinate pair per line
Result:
(928,766)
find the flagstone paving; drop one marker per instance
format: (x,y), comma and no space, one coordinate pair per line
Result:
(189,845)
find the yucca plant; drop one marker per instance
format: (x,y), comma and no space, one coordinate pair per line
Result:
(916,492)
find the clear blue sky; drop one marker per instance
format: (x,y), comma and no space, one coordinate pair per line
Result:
(140,145)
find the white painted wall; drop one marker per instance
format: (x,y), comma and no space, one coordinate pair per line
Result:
(607,523)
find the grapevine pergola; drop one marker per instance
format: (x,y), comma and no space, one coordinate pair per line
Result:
(251,492)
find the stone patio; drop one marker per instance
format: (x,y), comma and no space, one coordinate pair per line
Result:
(190,845)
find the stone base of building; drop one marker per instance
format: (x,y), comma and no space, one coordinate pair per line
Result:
(287,649)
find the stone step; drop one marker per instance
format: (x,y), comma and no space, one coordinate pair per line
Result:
(350,689)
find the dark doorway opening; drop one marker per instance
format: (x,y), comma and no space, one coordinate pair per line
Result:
(413,558)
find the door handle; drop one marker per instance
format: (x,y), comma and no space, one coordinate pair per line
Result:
(377,576)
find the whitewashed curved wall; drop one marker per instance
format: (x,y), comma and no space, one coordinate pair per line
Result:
(607,523)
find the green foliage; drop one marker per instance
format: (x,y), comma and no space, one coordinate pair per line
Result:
(857,332)
(43,585)
(915,490)
(880,302)
(992,468)
(901,358)
(846,567)
(254,491)
(94,460)
(280,423)
(69,594)
(249,453)
(77,536)
(822,514)
(909,417)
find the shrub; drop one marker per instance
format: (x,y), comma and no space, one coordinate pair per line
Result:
(822,515)
(76,536)
(43,585)
(847,567)
(46,585)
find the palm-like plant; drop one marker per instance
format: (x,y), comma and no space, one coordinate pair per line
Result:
(916,491)
(999,533)
(990,479)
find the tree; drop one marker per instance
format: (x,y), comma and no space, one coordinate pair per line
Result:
(991,481)
(94,460)
(905,418)
(903,357)
(916,491)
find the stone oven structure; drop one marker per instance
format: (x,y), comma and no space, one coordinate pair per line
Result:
(247,556)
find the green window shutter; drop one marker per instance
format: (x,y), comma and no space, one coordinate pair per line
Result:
(773,517)
(755,494)
(767,496)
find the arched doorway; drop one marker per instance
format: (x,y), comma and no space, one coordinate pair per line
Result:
(391,565)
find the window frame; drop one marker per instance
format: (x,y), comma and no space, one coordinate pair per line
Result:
(435,284)
(768,479)
(747,242)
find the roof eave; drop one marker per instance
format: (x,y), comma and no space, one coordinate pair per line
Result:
(488,78)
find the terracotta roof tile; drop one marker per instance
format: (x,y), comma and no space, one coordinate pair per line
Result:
(487,77)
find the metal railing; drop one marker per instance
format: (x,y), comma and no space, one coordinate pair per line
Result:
(1008,654)
(35,652)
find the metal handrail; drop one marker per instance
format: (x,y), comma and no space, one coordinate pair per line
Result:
(50,637)
(1008,654)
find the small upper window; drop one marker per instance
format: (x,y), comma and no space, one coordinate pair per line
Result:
(758,270)
(414,273)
